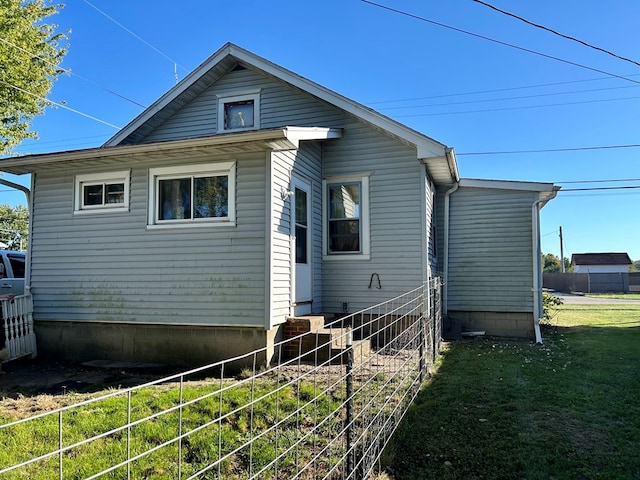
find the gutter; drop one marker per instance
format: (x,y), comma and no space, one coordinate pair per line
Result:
(445,286)
(537,267)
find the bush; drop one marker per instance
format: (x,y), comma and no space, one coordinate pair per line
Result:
(550,304)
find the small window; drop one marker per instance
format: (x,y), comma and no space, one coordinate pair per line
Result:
(239,112)
(347,217)
(102,192)
(196,194)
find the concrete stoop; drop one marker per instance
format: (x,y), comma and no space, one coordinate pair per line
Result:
(320,344)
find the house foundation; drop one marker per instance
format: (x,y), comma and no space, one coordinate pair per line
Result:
(171,345)
(499,324)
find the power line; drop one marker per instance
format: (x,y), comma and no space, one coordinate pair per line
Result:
(69,72)
(549,150)
(568,37)
(129,31)
(604,181)
(500,42)
(497,90)
(46,100)
(517,108)
(593,189)
(522,97)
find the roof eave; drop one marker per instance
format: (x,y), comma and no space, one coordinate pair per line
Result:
(286,138)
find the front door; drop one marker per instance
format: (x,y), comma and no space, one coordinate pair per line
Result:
(301,247)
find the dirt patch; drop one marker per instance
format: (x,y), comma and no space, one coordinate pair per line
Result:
(31,386)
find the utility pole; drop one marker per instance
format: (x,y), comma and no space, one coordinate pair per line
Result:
(561,251)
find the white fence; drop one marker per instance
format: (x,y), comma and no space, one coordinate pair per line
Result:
(17,327)
(308,416)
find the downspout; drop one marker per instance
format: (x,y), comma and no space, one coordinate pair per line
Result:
(27,193)
(537,267)
(445,268)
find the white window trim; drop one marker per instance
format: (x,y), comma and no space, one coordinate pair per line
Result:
(239,97)
(365,253)
(123,176)
(163,173)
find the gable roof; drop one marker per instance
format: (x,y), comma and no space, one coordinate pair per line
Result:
(440,159)
(600,259)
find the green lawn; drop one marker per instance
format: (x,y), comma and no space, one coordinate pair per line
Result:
(621,296)
(568,409)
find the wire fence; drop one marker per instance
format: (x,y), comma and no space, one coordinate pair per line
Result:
(324,408)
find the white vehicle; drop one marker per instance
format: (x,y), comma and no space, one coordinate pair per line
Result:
(12,267)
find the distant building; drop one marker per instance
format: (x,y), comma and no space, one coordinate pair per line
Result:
(600,262)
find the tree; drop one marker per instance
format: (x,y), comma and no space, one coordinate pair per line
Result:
(14,226)
(635,267)
(551,263)
(30,53)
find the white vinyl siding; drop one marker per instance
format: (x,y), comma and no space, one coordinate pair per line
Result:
(280,105)
(112,268)
(490,250)
(307,164)
(396,191)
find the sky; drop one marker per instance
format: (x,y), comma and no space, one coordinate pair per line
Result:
(515,101)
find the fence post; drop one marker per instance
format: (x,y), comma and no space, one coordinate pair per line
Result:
(422,336)
(349,404)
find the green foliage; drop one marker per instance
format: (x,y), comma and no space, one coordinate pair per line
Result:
(30,53)
(14,226)
(551,264)
(635,267)
(550,304)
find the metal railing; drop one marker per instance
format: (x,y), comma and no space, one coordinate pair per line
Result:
(325,412)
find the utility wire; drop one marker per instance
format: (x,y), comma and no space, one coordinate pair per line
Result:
(46,100)
(500,42)
(517,108)
(497,90)
(604,181)
(592,189)
(568,37)
(521,97)
(129,31)
(69,72)
(548,150)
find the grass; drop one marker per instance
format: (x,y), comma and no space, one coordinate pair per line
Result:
(201,447)
(621,296)
(568,409)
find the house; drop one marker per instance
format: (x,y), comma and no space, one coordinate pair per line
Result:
(601,262)
(248,194)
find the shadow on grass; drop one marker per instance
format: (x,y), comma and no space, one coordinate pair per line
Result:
(567,409)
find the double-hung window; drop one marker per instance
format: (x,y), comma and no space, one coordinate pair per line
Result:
(102,192)
(346,213)
(192,195)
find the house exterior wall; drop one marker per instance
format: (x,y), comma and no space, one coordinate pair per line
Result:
(280,105)
(601,269)
(90,271)
(397,190)
(305,163)
(110,267)
(490,268)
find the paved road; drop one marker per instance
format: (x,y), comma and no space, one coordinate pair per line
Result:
(570,298)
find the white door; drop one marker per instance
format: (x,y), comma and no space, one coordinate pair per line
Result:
(301,233)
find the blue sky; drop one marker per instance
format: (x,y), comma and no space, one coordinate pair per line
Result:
(467,92)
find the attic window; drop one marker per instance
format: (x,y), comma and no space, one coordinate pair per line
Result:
(102,192)
(239,112)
